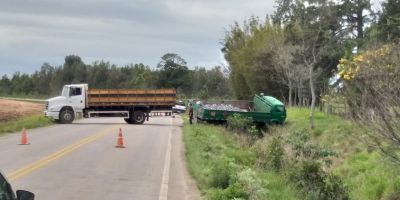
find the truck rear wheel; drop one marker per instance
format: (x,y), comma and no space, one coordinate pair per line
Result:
(128,120)
(139,117)
(67,116)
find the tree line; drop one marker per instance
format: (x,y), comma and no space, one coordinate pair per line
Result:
(309,49)
(171,72)
(294,53)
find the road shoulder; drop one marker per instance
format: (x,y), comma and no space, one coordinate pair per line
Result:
(182,186)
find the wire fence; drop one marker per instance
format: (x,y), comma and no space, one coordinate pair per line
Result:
(334,108)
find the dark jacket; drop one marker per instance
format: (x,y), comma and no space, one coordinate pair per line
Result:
(190,111)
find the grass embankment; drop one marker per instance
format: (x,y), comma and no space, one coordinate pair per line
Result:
(15,125)
(225,168)
(365,172)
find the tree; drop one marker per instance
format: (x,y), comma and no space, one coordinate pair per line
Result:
(290,72)
(234,41)
(356,13)
(389,21)
(199,79)
(217,83)
(42,79)
(313,26)
(250,52)
(74,70)
(312,53)
(371,81)
(99,74)
(5,85)
(173,72)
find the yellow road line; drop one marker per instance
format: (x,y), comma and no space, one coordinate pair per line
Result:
(56,155)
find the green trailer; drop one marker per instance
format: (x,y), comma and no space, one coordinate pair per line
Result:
(263,109)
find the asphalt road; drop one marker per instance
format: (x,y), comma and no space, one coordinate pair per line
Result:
(80,161)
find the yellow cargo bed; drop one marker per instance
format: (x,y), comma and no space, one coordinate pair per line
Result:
(127,97)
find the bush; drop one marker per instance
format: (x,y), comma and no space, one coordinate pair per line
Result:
(309,176)
(334,188)
(304,149)
(270,153)
(253,132)
(317,184)
(252,185)
(234,191)
(245,185)
(221,174)
(239,123)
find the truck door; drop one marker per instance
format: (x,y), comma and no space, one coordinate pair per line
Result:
(76,98)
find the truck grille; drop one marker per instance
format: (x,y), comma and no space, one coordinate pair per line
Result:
(46,106)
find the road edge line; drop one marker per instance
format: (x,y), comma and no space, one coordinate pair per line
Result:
(163,195)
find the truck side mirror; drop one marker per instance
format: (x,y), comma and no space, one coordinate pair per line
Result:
(25,195)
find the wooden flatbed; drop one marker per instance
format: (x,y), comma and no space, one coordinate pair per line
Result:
(131,97)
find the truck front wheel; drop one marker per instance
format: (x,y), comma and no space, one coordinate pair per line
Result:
(67,116)
(139,117)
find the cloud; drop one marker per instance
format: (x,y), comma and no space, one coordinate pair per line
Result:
(120,31)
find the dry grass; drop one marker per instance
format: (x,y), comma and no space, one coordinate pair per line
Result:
(11,109)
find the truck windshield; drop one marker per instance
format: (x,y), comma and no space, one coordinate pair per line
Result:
(65,91)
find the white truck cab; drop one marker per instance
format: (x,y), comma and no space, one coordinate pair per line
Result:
(71,103)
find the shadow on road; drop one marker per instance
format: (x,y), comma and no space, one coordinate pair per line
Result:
(113,123)
(102,123)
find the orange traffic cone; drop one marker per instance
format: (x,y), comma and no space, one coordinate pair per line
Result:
(120,140)
(24,138)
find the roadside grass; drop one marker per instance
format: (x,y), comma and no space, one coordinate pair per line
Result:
(29,122)
(26,96)
(329,130)
(367,174)
(225,170)
(39,101)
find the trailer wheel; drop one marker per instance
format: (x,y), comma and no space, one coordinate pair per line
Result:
(67,116)
(139,117)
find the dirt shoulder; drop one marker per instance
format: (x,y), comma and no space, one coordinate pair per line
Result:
(182,186)
(11,109)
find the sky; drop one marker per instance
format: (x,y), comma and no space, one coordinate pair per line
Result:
(133,31)
(33,32)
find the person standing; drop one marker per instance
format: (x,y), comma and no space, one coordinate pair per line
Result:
(190,113)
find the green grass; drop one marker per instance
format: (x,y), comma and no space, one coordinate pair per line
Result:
(369,176)
(329,130)
(224,170)
(39,101)
(366,174)
(28,122)
(27,96)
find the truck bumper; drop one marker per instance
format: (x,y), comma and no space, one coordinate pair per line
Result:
(52,115)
